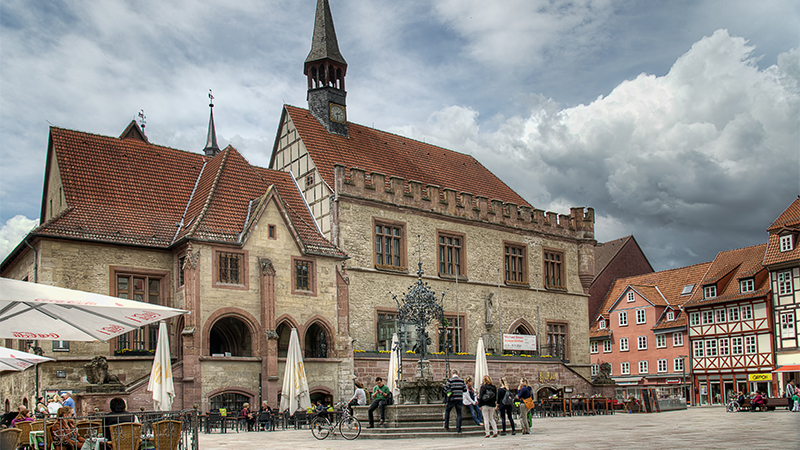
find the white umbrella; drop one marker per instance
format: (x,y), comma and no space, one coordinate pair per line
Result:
(161,375)
(39,311)
(295,394)
(394,367)
(481,367)
(16,360)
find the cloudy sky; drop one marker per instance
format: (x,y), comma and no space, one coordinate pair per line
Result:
(679,121)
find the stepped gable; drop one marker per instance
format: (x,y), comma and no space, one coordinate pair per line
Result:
(669,284)
(128,191)
(378,151)
(727,269)
(120,190)
(790,218)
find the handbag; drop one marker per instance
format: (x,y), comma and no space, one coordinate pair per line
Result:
(529,403)
(488,396)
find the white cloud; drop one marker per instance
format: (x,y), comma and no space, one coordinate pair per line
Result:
(13,231)
(696,161)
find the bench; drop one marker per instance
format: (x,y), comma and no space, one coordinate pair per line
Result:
(772,403)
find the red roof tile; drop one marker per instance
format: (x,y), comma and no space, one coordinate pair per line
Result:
(790,218)
(731,266)
(128,191)
(378,151)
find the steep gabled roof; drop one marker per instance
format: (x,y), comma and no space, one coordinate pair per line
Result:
(665,285)
(736,264)
(128,191)
(789,219)
(378,151)
(605,252)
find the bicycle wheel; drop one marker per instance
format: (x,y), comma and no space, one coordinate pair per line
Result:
(320,427)
(350,428)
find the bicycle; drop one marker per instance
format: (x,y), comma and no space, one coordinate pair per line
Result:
(733,406)
(349,426)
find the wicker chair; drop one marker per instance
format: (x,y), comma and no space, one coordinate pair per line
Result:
(126,436)
(167,434)
(9,437)
(23,440)
(37,425)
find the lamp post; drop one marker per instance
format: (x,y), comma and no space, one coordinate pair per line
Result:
(683,384)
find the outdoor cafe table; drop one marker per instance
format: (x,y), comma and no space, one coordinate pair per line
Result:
(37,437)
(600,405)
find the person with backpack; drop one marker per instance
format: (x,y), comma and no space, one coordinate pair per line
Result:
(380,393)
(487,400)
(505,403)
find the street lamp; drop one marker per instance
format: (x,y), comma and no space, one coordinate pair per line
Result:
(683,366)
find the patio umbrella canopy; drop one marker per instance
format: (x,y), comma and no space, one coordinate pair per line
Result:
(161,384)
(18,361)
(38,311)
(295,394)
(394,367)
(481,366)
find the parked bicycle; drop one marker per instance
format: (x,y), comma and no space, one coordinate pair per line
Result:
(349,427)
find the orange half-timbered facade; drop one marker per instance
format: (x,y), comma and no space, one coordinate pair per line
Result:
(730,328)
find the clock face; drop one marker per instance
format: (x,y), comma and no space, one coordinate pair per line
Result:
(337,113)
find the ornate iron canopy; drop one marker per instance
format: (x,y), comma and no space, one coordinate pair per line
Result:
(420,306)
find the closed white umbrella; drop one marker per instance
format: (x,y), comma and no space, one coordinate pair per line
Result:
(394,367)
(481,366)
(16,360)
(39,311)
(295,394)
(161,384)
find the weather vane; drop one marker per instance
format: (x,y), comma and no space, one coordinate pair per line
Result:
(142,119)
(210,99)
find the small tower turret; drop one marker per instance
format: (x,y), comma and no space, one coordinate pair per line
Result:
(326,68)
(211,140)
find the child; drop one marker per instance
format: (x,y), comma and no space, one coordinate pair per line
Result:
(796,402)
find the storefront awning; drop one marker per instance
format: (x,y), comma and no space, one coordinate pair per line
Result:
(627,381)
(788,368)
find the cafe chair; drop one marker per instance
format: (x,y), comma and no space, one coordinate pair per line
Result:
(264,419)
(23,442)
(9,437)
(126,436)
(167,434)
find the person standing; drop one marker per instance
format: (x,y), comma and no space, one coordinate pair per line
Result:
(789,392)
(523,393)
(454,388)
(471,402)
(67,400)
(505,409)
(487,399)
(54,405)
(379,395)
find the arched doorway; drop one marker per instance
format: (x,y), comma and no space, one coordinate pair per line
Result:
(316,342)
(231,401)
(324,397)
(230,337)
(546,392)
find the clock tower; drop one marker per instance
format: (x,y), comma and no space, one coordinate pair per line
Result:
(325,69)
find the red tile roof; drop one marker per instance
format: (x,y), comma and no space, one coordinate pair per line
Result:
(731,266)
(790,218)
(378,151)
(128,191)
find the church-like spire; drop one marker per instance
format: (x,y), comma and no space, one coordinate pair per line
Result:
(324,44)
(325,69)
(211,140)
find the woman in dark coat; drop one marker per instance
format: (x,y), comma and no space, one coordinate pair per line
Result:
(487,400)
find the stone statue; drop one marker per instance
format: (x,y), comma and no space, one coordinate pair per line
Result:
(605,375)
(97,372)
(489,311)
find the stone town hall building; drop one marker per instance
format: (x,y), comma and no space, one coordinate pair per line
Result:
(317,242)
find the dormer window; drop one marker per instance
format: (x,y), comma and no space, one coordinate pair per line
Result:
(687,289)
(631,297)
(747,285)
(670,315)
(602,324)
(786,243)
(710,291)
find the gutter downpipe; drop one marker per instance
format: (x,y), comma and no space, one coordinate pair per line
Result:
(36,343)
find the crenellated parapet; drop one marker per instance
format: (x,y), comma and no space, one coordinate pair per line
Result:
(355,182)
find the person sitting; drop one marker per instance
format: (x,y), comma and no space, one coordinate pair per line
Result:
(54,405)
(359,397)
(117,415)
(24,415)
(247,416)
(757,402)
(264,415)
(64,433)
(379,395)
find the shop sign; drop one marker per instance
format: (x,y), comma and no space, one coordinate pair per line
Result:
(760,377)
(519,342)
(673,381)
